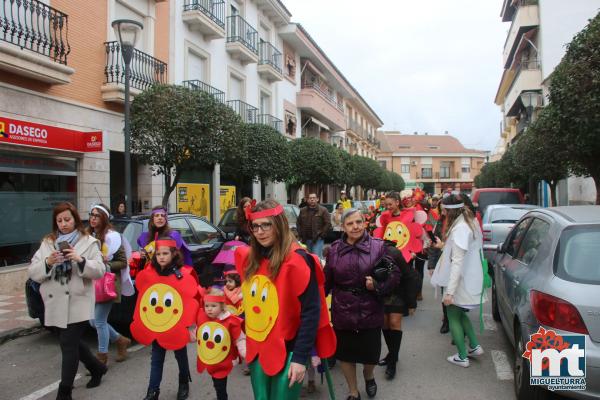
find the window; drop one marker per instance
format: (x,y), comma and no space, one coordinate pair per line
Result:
(533,239)
(516,237)
(180,225)
(383,164)
(196,67)
(204,231)
(578,255)
(405,168)
(265,103)
(466,169)
(236,88)
(404,146)
(426,172)
(444,170)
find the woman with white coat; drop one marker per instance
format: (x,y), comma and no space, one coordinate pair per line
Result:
(65,265)
(459,271)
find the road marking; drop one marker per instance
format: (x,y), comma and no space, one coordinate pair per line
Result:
(135,348)
(45,390)
(504,371)
(489,323)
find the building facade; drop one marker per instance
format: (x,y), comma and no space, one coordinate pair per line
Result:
(535,44)
(435,163)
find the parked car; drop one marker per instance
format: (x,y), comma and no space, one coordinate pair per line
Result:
(547,274)
(498,220)
(203,239)
(482,198)
(228,223)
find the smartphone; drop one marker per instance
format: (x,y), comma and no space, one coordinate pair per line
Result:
(62,246)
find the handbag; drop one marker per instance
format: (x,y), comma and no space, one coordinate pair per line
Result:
(105,288)
(35,304)
(381,271)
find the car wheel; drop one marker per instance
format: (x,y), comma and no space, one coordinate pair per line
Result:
(523,390)
(495,311)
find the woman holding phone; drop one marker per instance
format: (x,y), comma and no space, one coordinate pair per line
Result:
(65,266)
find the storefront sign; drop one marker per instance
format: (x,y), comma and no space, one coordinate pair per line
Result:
(29,134)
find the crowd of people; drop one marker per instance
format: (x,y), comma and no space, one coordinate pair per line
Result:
(269,311)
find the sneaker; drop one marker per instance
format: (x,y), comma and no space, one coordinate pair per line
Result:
(456,360)
(477,351)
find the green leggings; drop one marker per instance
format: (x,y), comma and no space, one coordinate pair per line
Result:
(273,387)
(460,325)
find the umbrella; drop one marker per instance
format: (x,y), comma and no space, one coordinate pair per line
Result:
(226,255)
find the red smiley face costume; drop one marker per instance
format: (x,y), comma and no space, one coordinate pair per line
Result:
(216,344)
(166,306)
(272,309)
(402,230)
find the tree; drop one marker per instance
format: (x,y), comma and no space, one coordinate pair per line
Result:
(368,172)
(575,93)
(313,161)
(175,129)
(541,151)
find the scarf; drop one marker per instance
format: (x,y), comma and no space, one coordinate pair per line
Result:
(62,272)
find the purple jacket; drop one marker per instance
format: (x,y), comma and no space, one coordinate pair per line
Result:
(347,266)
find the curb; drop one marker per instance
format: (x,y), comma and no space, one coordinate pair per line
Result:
(19,332)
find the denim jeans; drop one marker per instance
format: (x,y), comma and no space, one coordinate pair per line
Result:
(105,332)
(158,360)
(316,246)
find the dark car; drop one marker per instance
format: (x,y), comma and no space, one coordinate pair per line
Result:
(228,223)
(203,239)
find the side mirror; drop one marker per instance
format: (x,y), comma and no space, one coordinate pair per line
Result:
(230,235)
(494,247)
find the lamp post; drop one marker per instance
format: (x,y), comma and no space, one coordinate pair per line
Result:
(127,32)
(530,101)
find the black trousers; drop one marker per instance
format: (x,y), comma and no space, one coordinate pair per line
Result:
(73,350)
(220,387)
(419,266)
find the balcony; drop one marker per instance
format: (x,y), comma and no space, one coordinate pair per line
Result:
(242,40)
(526,18)
(195,84)
(206,17)
(145,72)
(528,78)
(272,121)
(356,128)
(269,63)
(322,104)
(247,112)
(34,41)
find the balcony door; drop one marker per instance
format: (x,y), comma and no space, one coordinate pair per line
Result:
(197,67)
(236,88)
(265,103)
(124,9)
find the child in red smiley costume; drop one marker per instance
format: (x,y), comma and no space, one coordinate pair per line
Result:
(284,300)
(166,307)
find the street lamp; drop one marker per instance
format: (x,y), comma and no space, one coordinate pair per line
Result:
(127,32)
(530,101)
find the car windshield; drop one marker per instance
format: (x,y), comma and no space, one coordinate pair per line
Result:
(578,255)
(131,230)
(228,218)
(488,198)
(290,214)
(506,215)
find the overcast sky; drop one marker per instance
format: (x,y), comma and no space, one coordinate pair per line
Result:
(422,65)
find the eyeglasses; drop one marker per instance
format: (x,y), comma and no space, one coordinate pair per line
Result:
(94,215)
(266,227)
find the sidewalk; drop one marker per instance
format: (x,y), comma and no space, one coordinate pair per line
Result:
(14,318)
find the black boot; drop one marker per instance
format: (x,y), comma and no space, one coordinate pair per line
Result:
(386,337)
(183,391)
(152,394)
(445,328)
(64,392)
(395,341)
(97,376)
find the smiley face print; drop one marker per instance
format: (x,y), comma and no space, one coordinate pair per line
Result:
(398,233)
(214,342)
(161,307)
(261,305)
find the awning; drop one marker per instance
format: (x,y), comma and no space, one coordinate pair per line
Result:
(319,123)
(523,44)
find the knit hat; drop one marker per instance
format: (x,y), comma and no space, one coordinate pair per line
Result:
(406,193)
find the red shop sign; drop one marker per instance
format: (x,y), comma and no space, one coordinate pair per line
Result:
(29,134)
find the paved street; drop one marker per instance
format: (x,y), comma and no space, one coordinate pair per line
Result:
(31,365)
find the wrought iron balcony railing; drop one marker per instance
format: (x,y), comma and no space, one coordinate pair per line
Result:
(270,55)
(145,69)
(246,111)
(213,9)
(238,30)
(35,26)
(196,84)
(273,122)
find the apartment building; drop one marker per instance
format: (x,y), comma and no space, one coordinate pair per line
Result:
(434,163)
(61,104)
(535,44)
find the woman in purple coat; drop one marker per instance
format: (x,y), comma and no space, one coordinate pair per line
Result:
(158,225)
(357,299)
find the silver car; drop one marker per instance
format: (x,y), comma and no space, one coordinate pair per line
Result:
(497,221)
(547,273)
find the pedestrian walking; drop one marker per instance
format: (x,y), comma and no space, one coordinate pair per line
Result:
(284,302)
(435,229)
(313,224)
(344,200)
(65,266)
(165,313)
(336,222)
(460,272)
(357,308)
(241,231)
(113,253)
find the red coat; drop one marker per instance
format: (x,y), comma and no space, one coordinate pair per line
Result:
(216,344)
